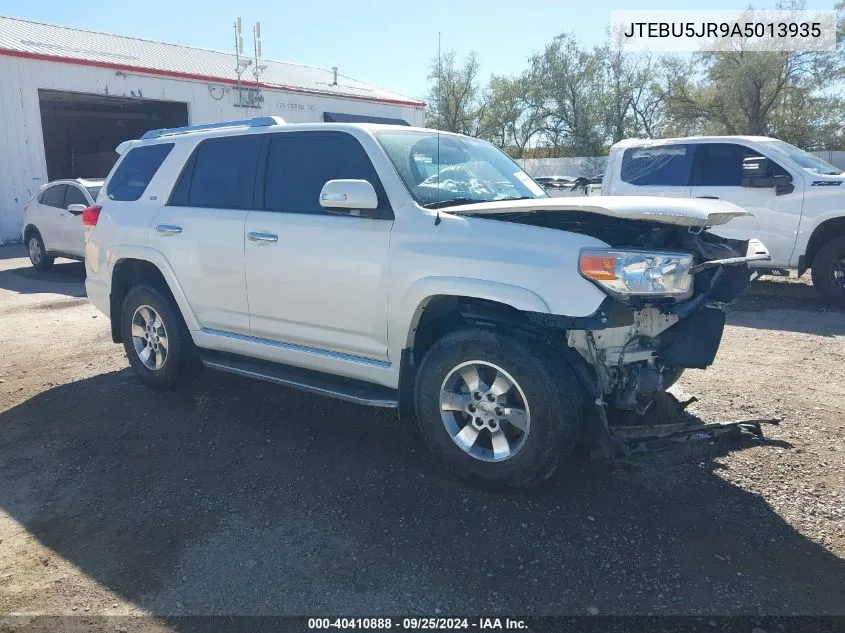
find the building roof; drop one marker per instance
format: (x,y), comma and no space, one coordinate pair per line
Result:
(35,40)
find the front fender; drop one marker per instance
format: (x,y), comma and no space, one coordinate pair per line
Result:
(407,311)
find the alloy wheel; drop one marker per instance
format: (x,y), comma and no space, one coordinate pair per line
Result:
(149,336)
(35,252)
(484,411)
(837,273)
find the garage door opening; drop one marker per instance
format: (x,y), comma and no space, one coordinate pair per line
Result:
(81,131)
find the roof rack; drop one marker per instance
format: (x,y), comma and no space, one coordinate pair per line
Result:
(262,121)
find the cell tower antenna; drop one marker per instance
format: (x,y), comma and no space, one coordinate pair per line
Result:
(257,69)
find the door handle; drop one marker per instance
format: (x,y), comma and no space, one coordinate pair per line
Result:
(708,197)
(168,229)
(258,236)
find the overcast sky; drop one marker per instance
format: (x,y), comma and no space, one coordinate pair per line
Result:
(385,43)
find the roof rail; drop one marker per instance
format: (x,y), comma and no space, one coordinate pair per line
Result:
(262,121)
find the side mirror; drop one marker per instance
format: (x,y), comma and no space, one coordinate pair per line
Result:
(351,197)
(757,172)
(76,209)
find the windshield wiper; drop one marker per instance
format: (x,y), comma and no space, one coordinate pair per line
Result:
(519,198)
(439,204)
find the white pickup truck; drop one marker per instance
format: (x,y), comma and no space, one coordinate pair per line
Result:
(797,200)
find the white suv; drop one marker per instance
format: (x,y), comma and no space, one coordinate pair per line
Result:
(406,268)
(52,226)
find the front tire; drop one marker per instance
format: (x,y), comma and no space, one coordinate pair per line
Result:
(497,410)
(38,256)
(828,272)
(156,339)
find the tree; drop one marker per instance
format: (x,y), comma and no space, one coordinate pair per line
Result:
(632,101)
(574,100)
(568,78)
(454,100)
(742,90)
(511,117)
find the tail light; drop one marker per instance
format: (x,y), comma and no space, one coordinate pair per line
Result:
(91,215)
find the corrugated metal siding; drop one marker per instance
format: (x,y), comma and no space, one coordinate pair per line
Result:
(34,38)
(22,162)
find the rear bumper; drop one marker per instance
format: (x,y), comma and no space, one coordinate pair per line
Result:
(98,294)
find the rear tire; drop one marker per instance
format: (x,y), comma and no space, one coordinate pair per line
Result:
(156,339)
(38,256)
(518,438)
(828,272)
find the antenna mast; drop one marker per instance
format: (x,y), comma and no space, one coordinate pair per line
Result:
(240,63)
(257,69)
(439,118)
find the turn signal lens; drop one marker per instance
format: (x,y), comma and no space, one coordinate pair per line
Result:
(91,215)
(598,267)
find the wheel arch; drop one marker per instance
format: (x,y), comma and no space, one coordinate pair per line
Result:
(821,235)
(130,271)
(438,314)
(28,230)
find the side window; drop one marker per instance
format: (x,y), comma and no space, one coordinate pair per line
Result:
(74,196)
(135,172)
(220,174)
(666,165)
(300,163)
(53,196)
(719,164)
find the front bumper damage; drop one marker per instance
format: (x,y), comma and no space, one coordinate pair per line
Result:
(636,359)
(628,354)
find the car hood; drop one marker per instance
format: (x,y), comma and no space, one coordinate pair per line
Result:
(681,211)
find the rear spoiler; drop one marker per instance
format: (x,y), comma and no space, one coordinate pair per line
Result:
(123,147)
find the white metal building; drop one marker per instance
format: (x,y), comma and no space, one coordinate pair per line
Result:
(68,97)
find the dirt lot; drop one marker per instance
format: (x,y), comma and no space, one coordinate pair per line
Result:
(235,497)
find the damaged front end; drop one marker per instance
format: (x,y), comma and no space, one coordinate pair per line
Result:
(667,285)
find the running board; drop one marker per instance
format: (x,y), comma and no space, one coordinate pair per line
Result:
(346,389)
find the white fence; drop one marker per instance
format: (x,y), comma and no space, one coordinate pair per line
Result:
(594,165)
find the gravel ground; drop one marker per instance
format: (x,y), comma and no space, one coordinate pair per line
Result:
(236,497)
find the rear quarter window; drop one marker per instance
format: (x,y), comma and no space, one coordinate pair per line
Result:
(135,172)
(666,165)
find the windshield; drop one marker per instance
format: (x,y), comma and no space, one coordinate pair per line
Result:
(455,170)
(803,159)
(94,191)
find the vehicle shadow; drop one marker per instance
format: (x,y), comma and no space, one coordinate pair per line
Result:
(236,497)
(65,277)
(12,251)
(793,307)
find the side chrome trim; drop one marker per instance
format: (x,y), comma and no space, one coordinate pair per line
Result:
(300,348)
(386,403)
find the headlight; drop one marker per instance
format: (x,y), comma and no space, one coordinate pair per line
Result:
(638,273)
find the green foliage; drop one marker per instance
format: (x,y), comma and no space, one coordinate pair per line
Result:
(455,103)
(576,101)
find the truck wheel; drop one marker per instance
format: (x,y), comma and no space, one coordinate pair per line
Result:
(496,410)
(156,339)
(828,271)
(37,252)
